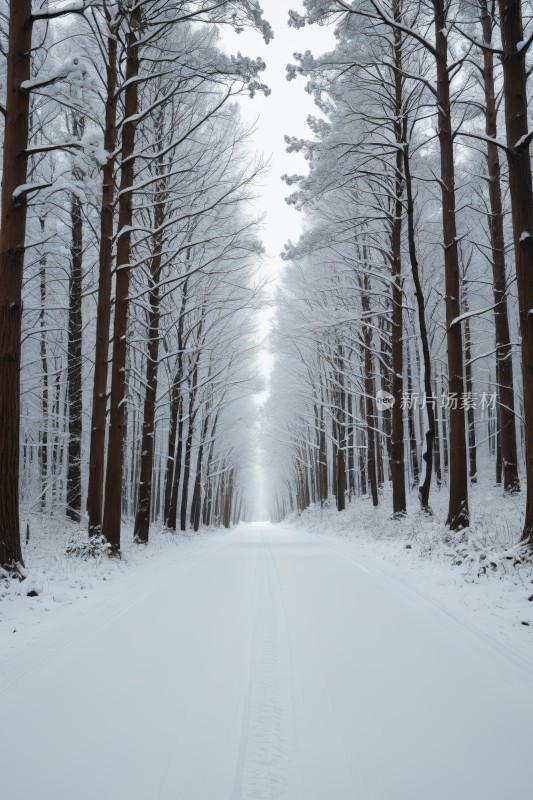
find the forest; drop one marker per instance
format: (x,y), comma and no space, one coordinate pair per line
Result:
(131,280)
(404,318)
(266,399)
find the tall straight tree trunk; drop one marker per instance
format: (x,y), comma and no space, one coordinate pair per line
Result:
(470,416)
(334,457)
(498,450)
(188,448)
(45,397)
(323,458)
(12,241)
(397,454)
(369,394)
(144,497)
(228,500)
(95,489)
(350,446)
(208,499)
(196,505)
(504,356)
(176,483)
(458,514)
(413,444)
(74,368)
(171,456)
(115,454)
(427,456)
(518,158)
(438,472)
(172,476)
(341,432)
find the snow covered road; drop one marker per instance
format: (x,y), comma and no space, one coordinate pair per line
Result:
(271,666)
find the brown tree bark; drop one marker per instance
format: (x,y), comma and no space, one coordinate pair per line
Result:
(103,314)
(504,356)
(458,514)
(115,454)
(12,241)
(518,159)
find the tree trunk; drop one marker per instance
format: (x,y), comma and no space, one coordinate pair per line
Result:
(458,515)
(172,478)
(504,356)
(74,368)
(518,158)
(427,456)
(188,448)
(438,473)
(196,504)
(470,416)
(397,455)
(413,445)
(45,397)
(12,242)
(171,456)
(115,454)
(103,312)
(144,498)
(173,511)
(369,395)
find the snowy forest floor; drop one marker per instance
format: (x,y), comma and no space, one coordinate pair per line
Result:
(305,661)
(481,574)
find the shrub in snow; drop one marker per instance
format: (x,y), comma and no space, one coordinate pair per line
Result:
(86,548)
(479,556)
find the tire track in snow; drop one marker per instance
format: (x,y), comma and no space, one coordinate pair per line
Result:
(267,768)
(361,784)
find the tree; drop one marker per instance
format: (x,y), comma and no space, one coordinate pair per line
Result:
(15,191)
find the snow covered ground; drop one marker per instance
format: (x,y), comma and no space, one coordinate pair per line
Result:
(267,662)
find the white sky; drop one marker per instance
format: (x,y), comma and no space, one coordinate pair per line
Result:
(283,112)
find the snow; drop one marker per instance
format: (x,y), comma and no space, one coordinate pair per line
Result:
(26,188)
(69,67)
(264,662)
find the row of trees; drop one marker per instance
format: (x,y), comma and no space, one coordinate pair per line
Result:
(127,263)
(407,302)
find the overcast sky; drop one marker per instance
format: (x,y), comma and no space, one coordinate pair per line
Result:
(283,112)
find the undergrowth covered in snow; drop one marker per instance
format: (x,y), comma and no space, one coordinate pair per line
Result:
(62,563)
(490,547)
